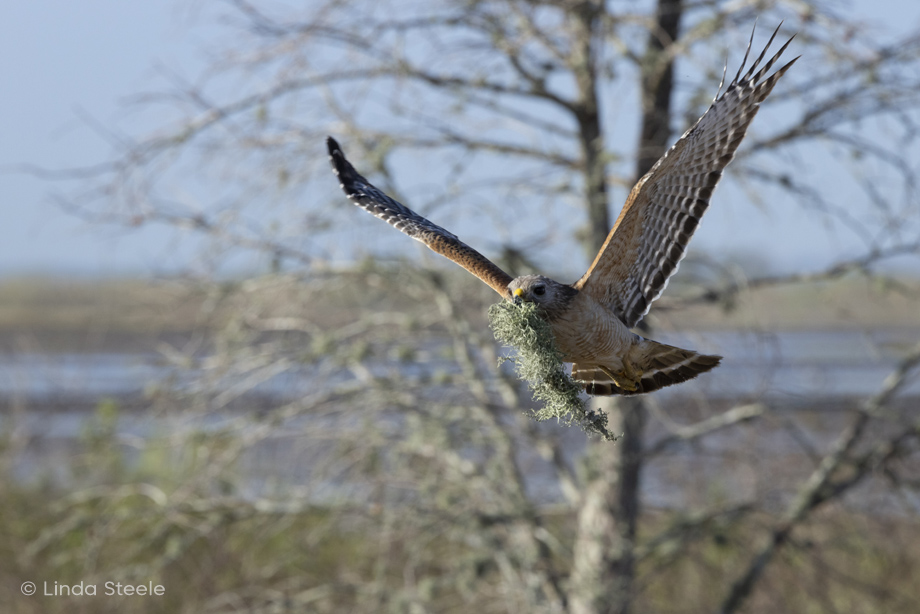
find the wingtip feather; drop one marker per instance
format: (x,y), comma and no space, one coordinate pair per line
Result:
(333,146)
(342,167)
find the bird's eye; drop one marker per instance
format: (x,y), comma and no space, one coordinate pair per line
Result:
(539,290)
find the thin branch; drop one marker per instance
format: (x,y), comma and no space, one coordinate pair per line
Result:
(683,434)
(819,487)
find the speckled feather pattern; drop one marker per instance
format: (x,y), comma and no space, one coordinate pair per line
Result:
(362,193)
(591,318)
(646,245)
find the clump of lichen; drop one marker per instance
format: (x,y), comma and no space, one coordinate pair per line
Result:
(539,362)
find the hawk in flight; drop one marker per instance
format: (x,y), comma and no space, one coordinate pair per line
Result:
(591,318)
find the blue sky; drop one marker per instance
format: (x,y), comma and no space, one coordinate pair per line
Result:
(65,65)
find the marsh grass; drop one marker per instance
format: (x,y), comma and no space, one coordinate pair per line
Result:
(175,511)
(230,555)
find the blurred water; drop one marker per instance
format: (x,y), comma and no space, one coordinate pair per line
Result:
(802,367)
(800,364)
(38,376)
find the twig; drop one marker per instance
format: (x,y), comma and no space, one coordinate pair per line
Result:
(818,488)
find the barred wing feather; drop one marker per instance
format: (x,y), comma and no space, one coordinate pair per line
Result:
(662,212)
(362,193)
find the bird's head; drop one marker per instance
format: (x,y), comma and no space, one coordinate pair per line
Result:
(550,296)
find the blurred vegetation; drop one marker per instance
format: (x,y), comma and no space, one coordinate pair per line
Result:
(408,485)
(74,311)
(216,550)
(328,439)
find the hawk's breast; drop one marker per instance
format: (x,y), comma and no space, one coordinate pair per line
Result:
(589,333)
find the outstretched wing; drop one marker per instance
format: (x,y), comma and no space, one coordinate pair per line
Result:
(664,208)
(372,200)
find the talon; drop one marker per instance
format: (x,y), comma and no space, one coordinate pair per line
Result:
(626,384)
(633,374)
(627,379)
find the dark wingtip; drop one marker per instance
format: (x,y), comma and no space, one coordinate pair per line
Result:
(342,167)
(333,146)
(337,157)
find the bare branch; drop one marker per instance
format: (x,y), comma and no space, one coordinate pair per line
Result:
(819,487)
(682,434)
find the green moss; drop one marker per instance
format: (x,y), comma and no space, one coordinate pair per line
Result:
(539,362)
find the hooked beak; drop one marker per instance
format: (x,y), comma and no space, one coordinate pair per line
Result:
(518,297)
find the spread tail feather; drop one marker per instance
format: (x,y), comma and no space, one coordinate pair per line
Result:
(650,366)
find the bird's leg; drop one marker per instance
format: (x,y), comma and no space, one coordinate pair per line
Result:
(627,379)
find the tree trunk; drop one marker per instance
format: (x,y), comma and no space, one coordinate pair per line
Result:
(604,568)
(657,86)
(587,110)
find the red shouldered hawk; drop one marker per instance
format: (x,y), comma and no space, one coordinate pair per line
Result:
(591,318)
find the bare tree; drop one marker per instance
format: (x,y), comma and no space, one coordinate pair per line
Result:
(438,466)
